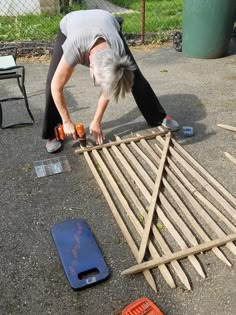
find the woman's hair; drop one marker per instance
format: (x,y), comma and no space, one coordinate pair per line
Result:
(115,73)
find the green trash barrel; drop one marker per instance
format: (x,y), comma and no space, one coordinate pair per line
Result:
(207,27)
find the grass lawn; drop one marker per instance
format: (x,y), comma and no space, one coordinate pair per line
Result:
(161,15)
(28,27)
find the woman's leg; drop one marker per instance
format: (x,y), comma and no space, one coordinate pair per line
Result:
(51,115)
(144,95)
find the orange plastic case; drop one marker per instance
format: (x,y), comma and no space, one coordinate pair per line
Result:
(142,306)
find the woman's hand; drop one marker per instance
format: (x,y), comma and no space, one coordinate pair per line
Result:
(69,129)
(96,130)
(95,126)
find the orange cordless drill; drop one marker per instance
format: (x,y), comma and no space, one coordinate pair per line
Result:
(80,131)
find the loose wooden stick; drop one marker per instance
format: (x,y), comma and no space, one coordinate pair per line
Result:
(227,127)
(230,157)
(107,145)
(151,208)
(179,255)
(164,246)
(163,269)
(182,206)
(115,212)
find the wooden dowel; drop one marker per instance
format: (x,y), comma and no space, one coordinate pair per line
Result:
(107,145)
(181,254)
(151,208)
(147,274)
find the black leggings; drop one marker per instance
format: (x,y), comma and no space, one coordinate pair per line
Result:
(143,94)
(51,115)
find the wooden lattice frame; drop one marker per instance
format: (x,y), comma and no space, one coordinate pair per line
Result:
(124,170)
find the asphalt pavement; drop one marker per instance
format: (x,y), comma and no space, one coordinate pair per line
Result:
(196,92)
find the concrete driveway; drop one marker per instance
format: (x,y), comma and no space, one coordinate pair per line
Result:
(197,93)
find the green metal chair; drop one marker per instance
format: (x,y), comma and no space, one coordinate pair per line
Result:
(10,70)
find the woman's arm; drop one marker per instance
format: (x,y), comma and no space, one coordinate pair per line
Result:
(95,126)
(60,78)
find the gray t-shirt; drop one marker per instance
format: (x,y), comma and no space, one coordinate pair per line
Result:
(83,28)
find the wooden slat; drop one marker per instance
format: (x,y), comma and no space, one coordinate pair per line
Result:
(147,274)
(180,255)
(182,206)
(127,140)
(151,208)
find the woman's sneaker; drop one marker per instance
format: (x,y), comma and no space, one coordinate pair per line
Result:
(53,145)
(169,123)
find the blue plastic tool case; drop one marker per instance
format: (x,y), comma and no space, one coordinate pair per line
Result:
(80,255)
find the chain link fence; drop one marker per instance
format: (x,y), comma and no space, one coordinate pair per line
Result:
(144,21)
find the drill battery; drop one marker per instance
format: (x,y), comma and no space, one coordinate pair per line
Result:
(59,132)
(80,131)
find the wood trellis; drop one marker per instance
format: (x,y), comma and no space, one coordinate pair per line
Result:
(166,204)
